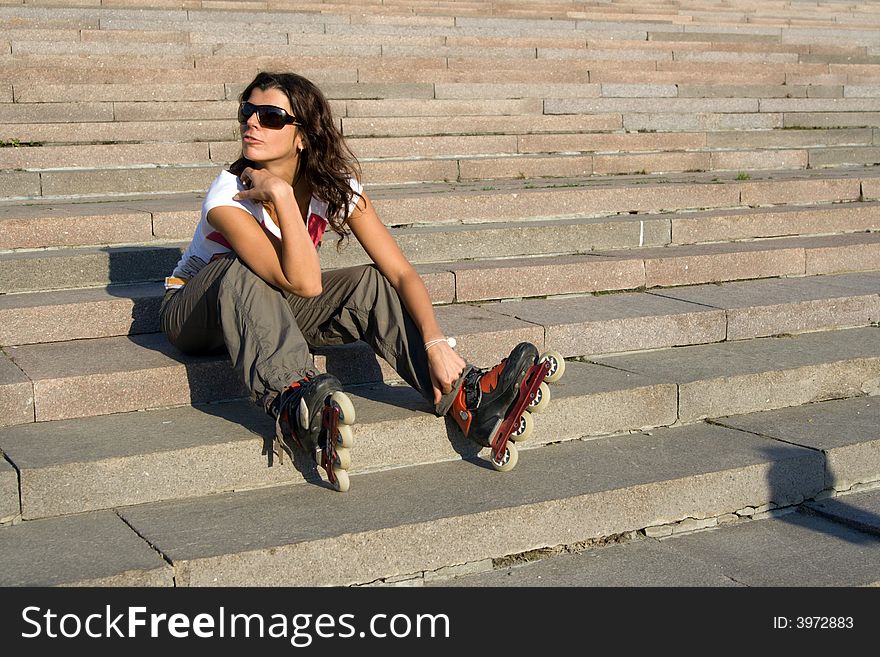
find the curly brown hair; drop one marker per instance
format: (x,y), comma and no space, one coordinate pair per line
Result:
(327,162)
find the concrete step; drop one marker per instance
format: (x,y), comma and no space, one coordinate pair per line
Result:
(796,548)
(596,196)
(145,371)
(733,377)
(216,44)
(663,267)
(620,265)
(633,482)
(488,162)
(93,463)
(69,379)
(162,451)
(616,261)
(96,221)
(753,308)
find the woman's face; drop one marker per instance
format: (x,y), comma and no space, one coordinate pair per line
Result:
(261,144)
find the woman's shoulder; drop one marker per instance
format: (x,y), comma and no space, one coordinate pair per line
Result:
(226,183)
(225,186)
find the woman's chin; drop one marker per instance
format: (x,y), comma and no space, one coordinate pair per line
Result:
(252,152)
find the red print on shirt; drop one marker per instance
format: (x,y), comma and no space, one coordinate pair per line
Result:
(217,237)
(316,226)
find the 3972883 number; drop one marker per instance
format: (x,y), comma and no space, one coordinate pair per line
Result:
(823,622)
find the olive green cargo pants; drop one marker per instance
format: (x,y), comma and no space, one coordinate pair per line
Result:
(268,333)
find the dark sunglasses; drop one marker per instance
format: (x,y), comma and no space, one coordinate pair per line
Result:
(269,115)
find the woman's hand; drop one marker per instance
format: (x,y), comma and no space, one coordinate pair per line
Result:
(262,186)
(445,367)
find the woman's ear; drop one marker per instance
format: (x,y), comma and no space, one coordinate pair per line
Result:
(300,142)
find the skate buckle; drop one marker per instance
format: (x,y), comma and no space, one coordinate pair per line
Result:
(529,386)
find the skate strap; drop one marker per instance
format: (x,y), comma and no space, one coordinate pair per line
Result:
(472,391)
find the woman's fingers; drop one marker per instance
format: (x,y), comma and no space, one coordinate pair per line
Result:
(445,366)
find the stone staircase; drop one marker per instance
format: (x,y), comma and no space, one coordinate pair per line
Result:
(681,198)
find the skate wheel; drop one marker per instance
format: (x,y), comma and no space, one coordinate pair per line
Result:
(343,459)
(542,398)
(557,366)
(523,429)
(346,408)
(343,483)
(508,462)
(344,436)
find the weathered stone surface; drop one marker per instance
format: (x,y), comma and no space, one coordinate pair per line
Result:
(547,90)
(19,184)
(776,222)
(56,112)
(846,431)
(71,466)
(751,160)
(43,93)
(121,131)
(762,374)
(835,157)
(651,163)
(639,563)
(701,121)
(409,171)
(789,138)
(525,167)
(76,314)
(842,254)
(370,147)
(10,507)
(858,510)
(449,108)
(600,487)
(71,379)
(799,191)
(95,549)
(610,142)
(585,326)
(563,201)
(771,307)
(38,226)
(830,119)
(128,181)
(84,267)
(542,276)
(475,125)
(105,155)
(674,105)
(792,550)
(689,265)
(16,393)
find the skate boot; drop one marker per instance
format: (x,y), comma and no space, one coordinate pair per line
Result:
(317,415)
(493,407)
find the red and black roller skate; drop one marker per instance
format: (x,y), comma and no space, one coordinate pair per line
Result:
(317,415)
(493,407)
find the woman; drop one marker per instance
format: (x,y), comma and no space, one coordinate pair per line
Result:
(251,282)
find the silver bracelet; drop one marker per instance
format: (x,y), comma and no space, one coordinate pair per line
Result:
(450,341)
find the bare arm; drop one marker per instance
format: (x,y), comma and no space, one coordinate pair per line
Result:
(290,265)
(445,365)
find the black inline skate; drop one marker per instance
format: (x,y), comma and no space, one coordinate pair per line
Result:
(493,407)
(317,416)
